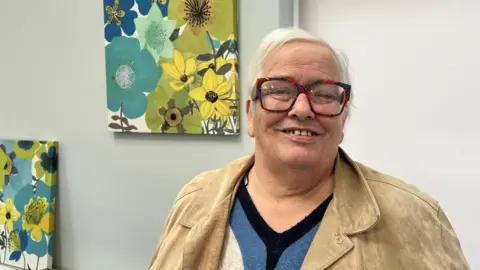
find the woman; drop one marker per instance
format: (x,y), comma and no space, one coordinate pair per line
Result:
(299,201)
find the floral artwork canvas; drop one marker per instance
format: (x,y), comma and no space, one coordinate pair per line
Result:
(28,180)
(172,66)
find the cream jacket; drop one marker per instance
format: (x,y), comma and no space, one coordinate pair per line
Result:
(373,222)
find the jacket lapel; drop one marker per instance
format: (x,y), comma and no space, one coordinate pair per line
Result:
(328,245)
(208,216)
(204,242)
(353,210)
(356,206)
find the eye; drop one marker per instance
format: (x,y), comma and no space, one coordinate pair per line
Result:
(278,88)
(323,95)
(278,92)
(327,93)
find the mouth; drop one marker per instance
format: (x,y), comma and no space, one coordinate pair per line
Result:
(300,132)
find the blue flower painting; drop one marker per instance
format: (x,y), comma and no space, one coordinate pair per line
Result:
(27,202)
(171,66)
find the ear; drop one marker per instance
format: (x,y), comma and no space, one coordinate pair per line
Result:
(251,129)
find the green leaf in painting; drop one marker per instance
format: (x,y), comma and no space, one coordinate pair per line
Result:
(2,241)
(223,48)
(228,130)
(125,121)
(224,69)
(129,128)
(202,72)
(114,126)
(233,46)
(174,34)
(205,57)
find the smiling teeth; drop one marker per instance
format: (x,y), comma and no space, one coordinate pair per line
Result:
(300,132)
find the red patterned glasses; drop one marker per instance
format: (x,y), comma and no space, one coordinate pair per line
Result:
(326,98)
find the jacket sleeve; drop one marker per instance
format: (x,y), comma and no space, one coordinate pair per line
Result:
(452,257)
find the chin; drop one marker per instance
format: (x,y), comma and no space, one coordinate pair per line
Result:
(299,158)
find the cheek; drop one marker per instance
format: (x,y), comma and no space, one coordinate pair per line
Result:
(268,120)
(332,126)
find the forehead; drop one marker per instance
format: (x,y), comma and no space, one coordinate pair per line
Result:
(304,61)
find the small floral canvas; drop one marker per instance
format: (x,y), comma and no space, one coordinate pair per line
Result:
(28,179)
(171,66)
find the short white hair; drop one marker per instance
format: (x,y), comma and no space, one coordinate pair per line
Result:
(276,39)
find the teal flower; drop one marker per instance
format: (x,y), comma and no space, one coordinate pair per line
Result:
(130,73)
(154,33)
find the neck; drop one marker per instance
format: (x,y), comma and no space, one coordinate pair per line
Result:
(280,182)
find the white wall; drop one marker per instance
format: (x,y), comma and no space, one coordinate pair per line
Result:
(114,191)
(415,68)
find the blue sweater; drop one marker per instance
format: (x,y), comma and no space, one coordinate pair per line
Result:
(251,244)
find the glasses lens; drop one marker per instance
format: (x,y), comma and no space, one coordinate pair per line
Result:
(327,98)
(277,95)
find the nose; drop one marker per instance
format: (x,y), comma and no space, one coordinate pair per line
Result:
(301,109)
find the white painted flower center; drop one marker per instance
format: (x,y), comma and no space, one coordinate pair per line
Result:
(125,76)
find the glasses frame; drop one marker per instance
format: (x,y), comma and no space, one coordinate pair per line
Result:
(302,89)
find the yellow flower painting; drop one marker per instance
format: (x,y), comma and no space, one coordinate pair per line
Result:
(8,214)
(161,58)
(213,96)
(28,182)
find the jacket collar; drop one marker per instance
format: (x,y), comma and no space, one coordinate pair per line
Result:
(222,185)
(353,202)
